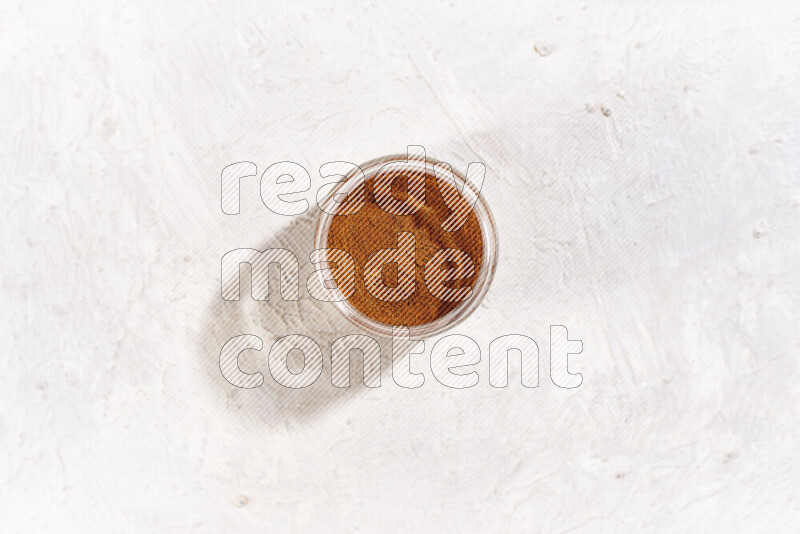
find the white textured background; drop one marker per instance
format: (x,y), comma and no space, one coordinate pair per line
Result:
(642,166)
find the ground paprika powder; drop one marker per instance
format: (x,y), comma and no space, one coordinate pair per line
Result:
(371,228)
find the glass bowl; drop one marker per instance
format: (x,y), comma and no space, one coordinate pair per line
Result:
(402,162)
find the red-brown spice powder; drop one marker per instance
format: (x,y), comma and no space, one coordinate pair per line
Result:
(370,229)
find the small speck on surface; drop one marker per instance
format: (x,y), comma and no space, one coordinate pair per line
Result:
(542,49)
(761,229)
(240,501)
(606,110)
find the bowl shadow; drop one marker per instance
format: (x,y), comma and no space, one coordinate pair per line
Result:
(272,403)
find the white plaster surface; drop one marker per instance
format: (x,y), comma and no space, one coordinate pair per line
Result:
(642,166)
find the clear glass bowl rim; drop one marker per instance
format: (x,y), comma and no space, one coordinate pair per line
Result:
(488,266)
